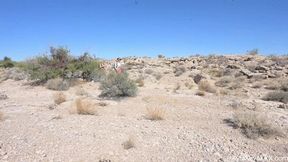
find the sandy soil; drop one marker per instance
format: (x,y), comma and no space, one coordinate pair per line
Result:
(192,130)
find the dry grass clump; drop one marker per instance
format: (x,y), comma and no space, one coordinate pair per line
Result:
(204,85)
(59,98)
(277,96)
(254,125)
(257,85)
(58,84)
(188,85)
(155,114)
(1,116)
(200,93)
(128,144)
(177,87)
(284,85)
(85,107)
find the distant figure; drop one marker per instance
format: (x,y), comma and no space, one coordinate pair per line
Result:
(118,66)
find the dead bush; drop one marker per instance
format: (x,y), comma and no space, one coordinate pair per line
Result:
(85,107)
(204,85)
(58,84)
(197,78)
(59,98)
(155,113)
(254,125)
(277,96)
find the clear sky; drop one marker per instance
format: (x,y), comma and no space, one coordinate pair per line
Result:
(112,28)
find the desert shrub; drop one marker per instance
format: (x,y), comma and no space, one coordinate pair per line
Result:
(277,96)
(253,52)
(60,64)
(257,85)
(85,107)
(155,113)
(284,85)
(157,76)
(3,96)
(59,98)
(161,56)
(254,125)
(197,78)
(1,116)
(149,71)
(7,62)
(128,144)
(223,82)
(204,85)
(188,85)
(118,85)
(58,84)
(216,72)
(179,70)
(177,87)
(200,93)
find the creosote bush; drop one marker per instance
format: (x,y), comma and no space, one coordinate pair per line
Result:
(60,64)
(254,125)
(7,63)
(118,85)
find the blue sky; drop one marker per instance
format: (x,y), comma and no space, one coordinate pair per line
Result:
(113,28)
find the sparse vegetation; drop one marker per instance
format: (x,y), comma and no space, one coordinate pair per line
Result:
(254,125)
(204,85)
(118,85)
(59,98)
(277,96)
(155,113)
(80,91)
(85,107)
(58,84)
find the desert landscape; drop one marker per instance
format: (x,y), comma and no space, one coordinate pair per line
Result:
(197,108)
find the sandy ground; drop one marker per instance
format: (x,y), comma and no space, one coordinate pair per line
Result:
(192,130)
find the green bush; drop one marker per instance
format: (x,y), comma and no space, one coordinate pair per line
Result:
(118,85)
(7,63)
(60,64)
